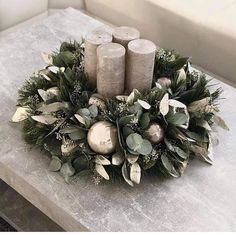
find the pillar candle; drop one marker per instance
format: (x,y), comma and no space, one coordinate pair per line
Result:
(110,69)
(139,65)
(92,41)
(123,35)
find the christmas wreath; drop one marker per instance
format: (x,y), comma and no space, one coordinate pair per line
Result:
(158,130)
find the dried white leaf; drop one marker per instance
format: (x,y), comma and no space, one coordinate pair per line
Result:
(43,94)
(176,104)
(101,171)
(181,75)
(53,90)
(45,119)
(80,119)
(122,98)
(198,105)
(54,69)
(125,175)
(20,114)
(144,104)
(47,58)
(135,173)
(164,104)
(99,159)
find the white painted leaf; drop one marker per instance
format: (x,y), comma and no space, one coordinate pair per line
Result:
(122,98)
(164,104)
(62,69)
(80,119)
(101,171)
(181,75)
(99,159)
(45,119)
(158,85)
(117,159)
(43,94)
(125,175)
(53,90)
(21,114)
(46,77)
(134,95)
(176,104)
(144,104)
(47,58)
(54,69)
(135,173)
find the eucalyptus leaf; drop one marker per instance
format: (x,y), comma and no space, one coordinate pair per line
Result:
(93,109)
(84,112)
(134,141)
(77,135)
(67,170)
(55,164)
(126,119)
(144,120)
(168,165)
(145,148)
(177,119)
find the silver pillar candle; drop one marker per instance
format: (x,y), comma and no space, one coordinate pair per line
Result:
(123,35)
(110,69)
(92,41)
(140,65)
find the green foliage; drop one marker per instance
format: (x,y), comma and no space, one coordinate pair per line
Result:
(190,109)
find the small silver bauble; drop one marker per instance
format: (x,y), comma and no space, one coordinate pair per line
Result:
(102,137)
(164,81)
(154,133)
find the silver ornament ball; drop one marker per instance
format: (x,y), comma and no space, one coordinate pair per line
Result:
(154,133)
(102,137)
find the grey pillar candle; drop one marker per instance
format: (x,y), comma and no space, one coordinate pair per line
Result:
(140,65)
(123,35)
(110,69)
(92,41)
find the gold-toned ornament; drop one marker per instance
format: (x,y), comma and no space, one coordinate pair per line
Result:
(164,82)
(102,137)
(154,133)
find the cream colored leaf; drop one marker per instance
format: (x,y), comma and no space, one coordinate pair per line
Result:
(80,119)
(53,90)
(164,104)
(20,114)
(125,175)
(144,104)
(181,75)
(101,171)
(122,98)
(176,104)
(47,58)
(99,159)
(43,94)
(54,69)
(45,119)
(135,173)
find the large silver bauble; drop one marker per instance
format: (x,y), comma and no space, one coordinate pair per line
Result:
(164,81)
(102,137)
(154,133)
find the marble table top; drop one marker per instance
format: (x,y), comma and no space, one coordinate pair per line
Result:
(201,200)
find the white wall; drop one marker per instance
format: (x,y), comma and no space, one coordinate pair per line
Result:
(16,11)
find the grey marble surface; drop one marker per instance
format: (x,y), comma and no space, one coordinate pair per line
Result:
(201,200)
